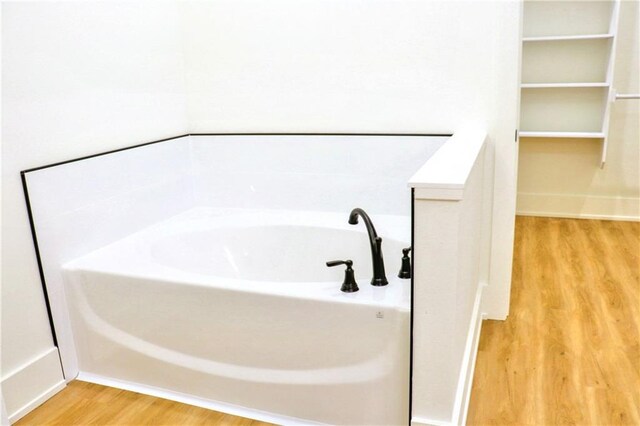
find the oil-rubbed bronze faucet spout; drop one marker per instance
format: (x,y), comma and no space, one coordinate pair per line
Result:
(379,278)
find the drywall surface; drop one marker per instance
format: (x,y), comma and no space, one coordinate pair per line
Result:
(365,66)
(81,206)
(562,177)
(319,66)
(78,78)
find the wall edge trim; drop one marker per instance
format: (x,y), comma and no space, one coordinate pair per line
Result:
(584,216)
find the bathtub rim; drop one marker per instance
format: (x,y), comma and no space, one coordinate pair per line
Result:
(395,296)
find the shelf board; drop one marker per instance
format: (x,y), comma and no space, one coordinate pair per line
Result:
(560,85)
(584,135)
(568,37)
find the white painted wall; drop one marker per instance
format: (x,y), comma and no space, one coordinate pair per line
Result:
(364,66)
(78,78)
(562,177)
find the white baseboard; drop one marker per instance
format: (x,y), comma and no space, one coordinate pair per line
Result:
(221,407)
(32,384)
(465,378)
(578,206)
(4,416)
(421,421)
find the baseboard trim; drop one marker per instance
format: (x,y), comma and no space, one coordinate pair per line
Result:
(221,407)
(578,216)
(421,421)
(37,401)
(578,206)
(41,376)
(465,378)
(4,417)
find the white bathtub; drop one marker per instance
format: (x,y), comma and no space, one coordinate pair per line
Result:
(235,310)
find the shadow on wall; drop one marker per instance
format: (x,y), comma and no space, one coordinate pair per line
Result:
(624,125)
(583,163)
(570,167)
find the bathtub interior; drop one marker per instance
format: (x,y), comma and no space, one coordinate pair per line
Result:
(242,246)
(309,183)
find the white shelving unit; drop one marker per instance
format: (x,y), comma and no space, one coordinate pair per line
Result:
(567,69)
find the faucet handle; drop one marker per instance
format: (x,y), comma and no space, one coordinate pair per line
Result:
(405,269)
(349,285)
(349,263)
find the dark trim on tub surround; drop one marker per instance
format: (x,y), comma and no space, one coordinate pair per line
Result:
(34,238)
(413,256)
(113,151)
(99,154)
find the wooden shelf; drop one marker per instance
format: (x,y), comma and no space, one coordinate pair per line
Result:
(568,37)
(578,135)
(561,85)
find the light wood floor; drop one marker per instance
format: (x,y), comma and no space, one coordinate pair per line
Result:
(569,353)
(82,403)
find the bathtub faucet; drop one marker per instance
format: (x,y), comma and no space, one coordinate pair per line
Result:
(379,278)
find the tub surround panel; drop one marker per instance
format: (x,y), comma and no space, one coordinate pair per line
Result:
(307,172)
(72,185)
(304,191)
(83,205)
